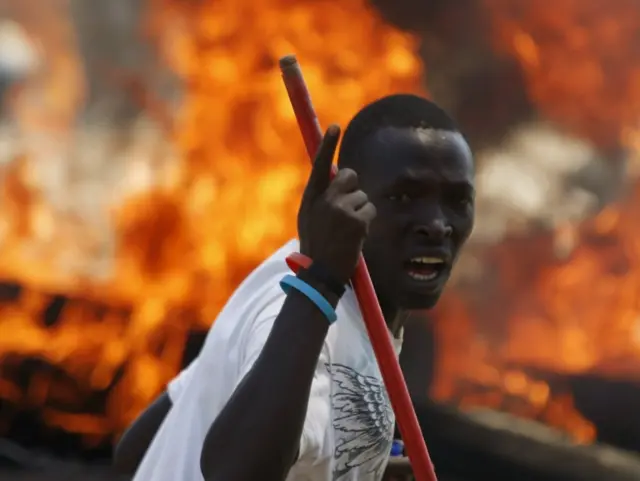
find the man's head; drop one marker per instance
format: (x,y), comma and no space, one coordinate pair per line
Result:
(418,171)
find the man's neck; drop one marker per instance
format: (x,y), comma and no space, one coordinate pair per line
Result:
(395,319)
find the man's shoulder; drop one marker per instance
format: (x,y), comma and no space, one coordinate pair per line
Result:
(258,294)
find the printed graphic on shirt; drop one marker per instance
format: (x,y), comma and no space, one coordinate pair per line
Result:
(362,421)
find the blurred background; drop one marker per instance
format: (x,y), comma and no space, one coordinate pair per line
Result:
(149,159)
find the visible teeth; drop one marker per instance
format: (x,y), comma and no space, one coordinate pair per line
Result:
(427,260)
(423,277)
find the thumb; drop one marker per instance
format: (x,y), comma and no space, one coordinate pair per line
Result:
(321,170)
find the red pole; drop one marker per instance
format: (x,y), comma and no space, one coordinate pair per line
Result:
(376,326)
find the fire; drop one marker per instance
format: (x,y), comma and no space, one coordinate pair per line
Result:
(571,306)
(228,198)
(579,58)
(557,312)
(224,190)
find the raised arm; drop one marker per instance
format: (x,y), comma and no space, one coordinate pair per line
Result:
(257,434)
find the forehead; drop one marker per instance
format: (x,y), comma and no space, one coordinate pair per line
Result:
(393,152)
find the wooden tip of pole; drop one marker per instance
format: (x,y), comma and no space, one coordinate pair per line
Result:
(287,62)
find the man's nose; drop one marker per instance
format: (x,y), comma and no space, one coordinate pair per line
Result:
(435,230)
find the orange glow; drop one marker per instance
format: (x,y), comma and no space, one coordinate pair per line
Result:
(229,198)
(225,193)
(579,58)
(571,304)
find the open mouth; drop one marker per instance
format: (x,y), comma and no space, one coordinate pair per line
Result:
(425,268)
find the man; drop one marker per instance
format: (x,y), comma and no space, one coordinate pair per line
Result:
(280,391)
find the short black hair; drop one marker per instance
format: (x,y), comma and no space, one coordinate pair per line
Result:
(398,110)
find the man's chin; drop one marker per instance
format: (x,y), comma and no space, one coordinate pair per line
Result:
(415,300)
(421,294)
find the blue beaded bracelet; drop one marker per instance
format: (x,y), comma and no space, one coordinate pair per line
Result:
(288,282)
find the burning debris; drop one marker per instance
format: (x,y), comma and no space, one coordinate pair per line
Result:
(115,247)
(569,314)
(175,257)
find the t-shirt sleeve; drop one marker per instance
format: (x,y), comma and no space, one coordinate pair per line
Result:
(176,386)
(317,422)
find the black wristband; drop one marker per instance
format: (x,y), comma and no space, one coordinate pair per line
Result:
(321,274)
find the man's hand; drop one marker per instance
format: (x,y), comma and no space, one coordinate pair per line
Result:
(334,216)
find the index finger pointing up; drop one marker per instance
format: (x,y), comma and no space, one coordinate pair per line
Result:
(321,170)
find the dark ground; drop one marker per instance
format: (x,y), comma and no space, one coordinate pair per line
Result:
(79,472)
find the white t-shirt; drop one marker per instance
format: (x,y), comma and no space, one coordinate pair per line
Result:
(348,430)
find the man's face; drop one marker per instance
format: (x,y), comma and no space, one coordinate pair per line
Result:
(421,182)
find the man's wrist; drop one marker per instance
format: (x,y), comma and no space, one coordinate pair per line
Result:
(331,297)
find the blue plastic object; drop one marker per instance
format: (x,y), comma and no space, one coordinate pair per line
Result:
(397,448)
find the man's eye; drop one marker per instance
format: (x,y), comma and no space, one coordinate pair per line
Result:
(459,199)
(465,200)
(400,198)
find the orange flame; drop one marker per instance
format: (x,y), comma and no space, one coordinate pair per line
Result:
(572,314)
(571,305)
(228,195)
(228,200)
(580,60)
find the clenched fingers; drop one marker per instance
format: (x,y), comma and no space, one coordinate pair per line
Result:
(353,201)
(345,181)
(367,213)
